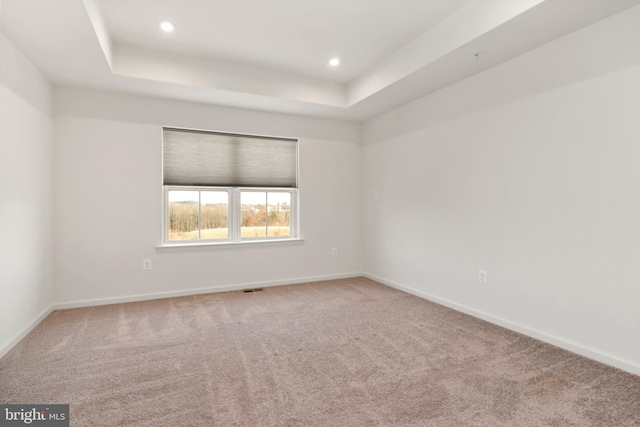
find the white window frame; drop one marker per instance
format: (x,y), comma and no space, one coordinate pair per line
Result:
(234,216)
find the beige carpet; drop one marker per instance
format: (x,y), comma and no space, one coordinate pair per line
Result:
(339,353)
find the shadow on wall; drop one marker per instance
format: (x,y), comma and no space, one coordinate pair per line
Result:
(29,88)
(597,50)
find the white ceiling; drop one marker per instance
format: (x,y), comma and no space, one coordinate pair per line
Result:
(272,54)
(290,36)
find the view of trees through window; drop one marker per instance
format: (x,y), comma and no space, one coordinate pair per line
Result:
(188,209)
(204,215)
(265,213)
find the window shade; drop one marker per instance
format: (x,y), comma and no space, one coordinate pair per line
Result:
(200,158)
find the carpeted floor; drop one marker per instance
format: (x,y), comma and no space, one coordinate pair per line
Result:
(347,352)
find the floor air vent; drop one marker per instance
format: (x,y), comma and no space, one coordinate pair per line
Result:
(246,291)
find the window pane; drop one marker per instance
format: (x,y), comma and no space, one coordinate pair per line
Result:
(254,214)
(279,214)
(214,208)
(183,215)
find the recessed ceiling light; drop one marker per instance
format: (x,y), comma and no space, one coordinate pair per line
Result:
(334,62)
(166,26)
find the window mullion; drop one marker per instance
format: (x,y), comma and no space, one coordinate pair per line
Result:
(293,213)
(235,214)
(167,215)
(199,215)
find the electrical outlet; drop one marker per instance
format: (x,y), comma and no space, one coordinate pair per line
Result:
(482,276)
(375,194)
(146,264)
(334,251)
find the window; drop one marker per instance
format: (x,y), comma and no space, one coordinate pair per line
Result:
(221,187)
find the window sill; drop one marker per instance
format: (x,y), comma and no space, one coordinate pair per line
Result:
(177,247)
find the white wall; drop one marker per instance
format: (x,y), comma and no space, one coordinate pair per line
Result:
(108,199)
(529,170)
(25,195)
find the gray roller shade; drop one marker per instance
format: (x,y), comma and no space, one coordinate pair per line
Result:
(201,158)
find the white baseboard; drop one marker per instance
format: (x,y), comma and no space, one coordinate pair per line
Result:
(6,347)
(197,291)
(542,336)
(550,339)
